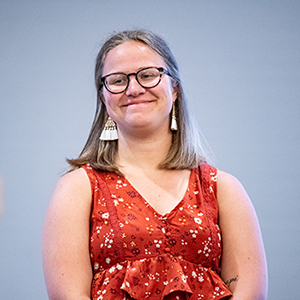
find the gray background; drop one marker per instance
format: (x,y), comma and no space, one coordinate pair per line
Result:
(240,66)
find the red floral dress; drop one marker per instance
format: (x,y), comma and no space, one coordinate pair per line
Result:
(136,253)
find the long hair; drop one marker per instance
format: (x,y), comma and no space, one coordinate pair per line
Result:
(185,151)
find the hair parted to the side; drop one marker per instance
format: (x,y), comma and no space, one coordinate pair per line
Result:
(185,152)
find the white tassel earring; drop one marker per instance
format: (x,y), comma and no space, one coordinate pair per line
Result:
(173,120)
(109,132)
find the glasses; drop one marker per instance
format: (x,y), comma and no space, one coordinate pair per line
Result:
(117,83)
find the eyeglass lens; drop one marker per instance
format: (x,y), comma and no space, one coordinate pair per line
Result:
(147,78)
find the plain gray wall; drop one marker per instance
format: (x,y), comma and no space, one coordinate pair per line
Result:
(240,66)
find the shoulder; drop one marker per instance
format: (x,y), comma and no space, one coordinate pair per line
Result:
(235,206)
(72,192)
(75,180)
(226,183)
(76,176)
(234,202)
(229,188)
(70,206)
(226,179)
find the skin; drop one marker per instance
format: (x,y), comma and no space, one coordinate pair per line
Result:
(143,120)
(139,112)
(66,258)
(243,260)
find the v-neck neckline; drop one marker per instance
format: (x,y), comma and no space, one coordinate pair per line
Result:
(148,205)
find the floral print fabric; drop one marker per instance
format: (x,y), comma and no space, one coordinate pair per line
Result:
(137,253)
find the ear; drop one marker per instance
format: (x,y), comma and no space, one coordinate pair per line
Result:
(175,92)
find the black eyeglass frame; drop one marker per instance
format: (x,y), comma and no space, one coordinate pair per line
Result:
(160,69)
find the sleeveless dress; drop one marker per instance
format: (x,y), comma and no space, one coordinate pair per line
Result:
(137,253)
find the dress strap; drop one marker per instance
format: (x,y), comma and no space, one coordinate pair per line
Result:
(115,223)
(208,180)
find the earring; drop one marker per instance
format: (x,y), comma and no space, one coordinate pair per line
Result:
(173,120)
(109,132)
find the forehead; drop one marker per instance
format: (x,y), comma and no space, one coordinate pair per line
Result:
(130,57)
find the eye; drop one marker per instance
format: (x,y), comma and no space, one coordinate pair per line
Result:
(148,75)
(117,79)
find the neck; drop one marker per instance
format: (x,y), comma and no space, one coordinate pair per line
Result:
(145,151)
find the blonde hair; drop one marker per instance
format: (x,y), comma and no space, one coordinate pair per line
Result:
(185,151)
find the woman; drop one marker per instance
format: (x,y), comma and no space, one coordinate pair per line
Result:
(140,216)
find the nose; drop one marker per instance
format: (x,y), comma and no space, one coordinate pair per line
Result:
(134,88)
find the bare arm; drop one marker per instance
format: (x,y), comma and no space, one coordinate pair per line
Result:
(244,267)
(66,257)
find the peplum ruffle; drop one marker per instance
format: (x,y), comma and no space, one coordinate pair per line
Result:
(156,278)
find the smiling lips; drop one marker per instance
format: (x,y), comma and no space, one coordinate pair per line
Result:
(138,102)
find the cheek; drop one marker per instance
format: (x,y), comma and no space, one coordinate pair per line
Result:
(106,97)
(109,100)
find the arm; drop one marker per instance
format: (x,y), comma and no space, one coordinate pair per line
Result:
(244,267)
(66,257)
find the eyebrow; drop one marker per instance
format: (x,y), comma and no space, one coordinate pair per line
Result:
(141,68)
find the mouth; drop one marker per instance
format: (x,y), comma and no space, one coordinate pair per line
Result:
(138,102)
